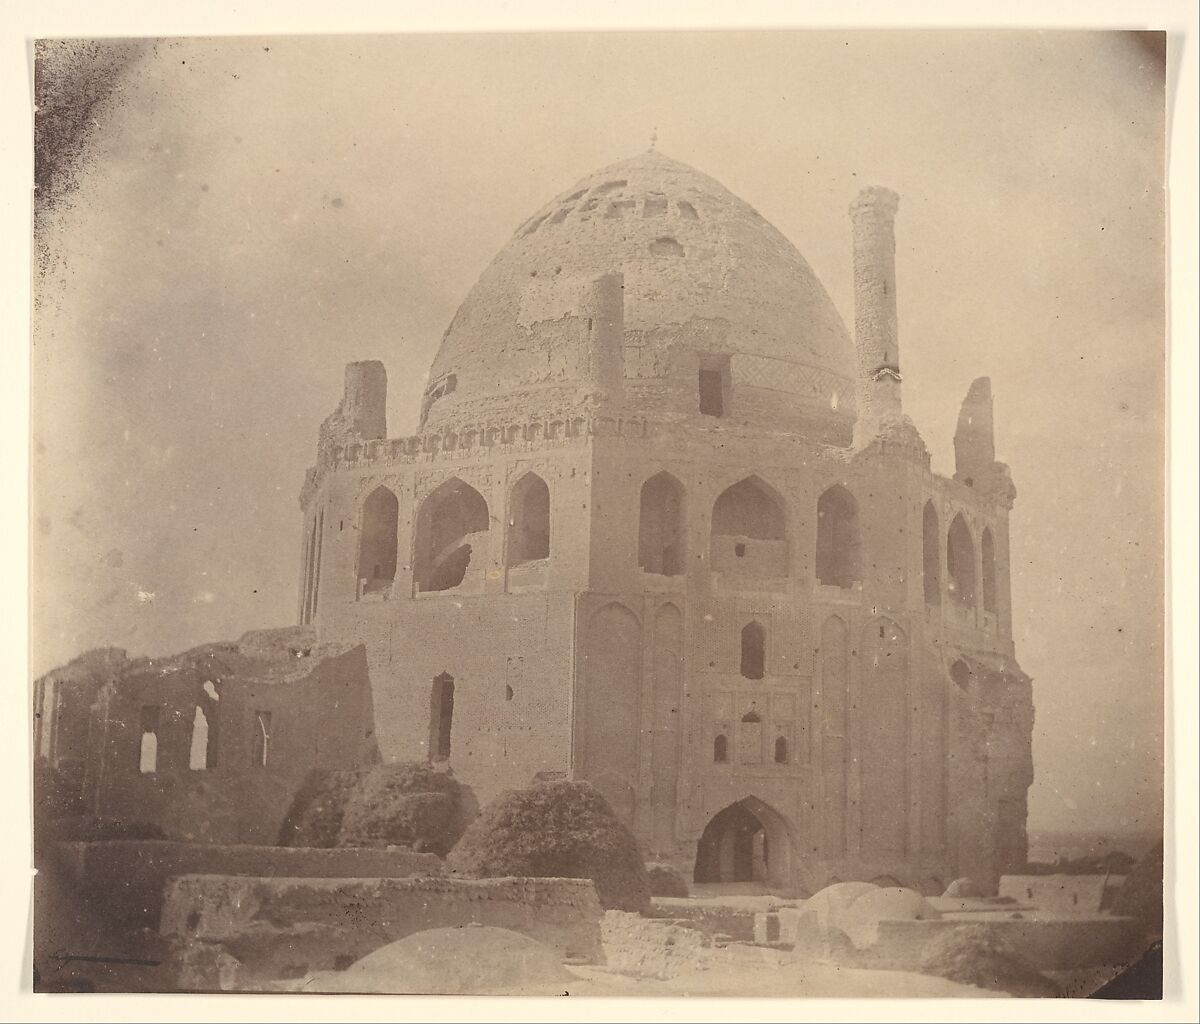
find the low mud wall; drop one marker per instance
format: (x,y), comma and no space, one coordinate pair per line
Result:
(245,933)
(126,879)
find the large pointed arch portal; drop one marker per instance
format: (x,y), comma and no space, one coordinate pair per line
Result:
(748,841)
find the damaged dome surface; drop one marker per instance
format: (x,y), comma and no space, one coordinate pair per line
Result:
(706,278)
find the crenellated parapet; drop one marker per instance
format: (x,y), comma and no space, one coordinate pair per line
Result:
(563,427)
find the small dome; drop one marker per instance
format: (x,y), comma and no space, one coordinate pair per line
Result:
(707,281)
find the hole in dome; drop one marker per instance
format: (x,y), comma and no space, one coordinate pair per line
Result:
(574,196)
(656,206)
(621,208)
(666,247)
(687,210)
(561,215)
(609,186)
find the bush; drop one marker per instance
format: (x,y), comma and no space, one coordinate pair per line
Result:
(973,955)
(556,830)
(406,804)
(667,881)
(424,821)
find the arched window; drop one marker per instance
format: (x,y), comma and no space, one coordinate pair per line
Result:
(661,527)
(205,729)
(720,749)
(837,538)
(931,555)
(988,551)
(529,524)
(198,754)
(451,536)
(377,541)
(441,717)
(960,563)
(961,674)
(781,750)
(750,738)
(148,744)
(749,531)
(754,648)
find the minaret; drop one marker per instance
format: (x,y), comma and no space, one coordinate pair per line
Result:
(876,337)
(974,444)
(364,399)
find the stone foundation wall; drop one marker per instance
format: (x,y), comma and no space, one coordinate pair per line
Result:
(244,933)
(125,880)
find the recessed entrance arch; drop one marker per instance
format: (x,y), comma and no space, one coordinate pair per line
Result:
(748,841)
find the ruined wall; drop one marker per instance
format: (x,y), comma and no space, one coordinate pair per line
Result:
(124,881)
(234,785)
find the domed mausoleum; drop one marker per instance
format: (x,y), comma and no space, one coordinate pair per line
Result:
(666,528)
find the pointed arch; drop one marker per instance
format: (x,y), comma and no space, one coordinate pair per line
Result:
(750,738)
(960,672)
(838,561)
(609,713)
(662,529)
(202,753)
(667,711)
(884,714)
(529,520)
(931,555)
(754,650)
(377,541)
(987,552)
(835,704)
(747,841)
(749,530)
(960,562)
(451,536)
(148,742)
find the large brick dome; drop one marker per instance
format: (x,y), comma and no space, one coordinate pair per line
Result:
(707,281)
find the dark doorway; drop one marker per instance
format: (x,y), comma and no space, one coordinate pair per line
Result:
(746,842)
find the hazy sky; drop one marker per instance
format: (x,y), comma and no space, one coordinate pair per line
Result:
(254,214)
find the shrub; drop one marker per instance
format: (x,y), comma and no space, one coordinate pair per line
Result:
(667,881)
(405,804)
(556,830)
(423,821)
(974,955)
